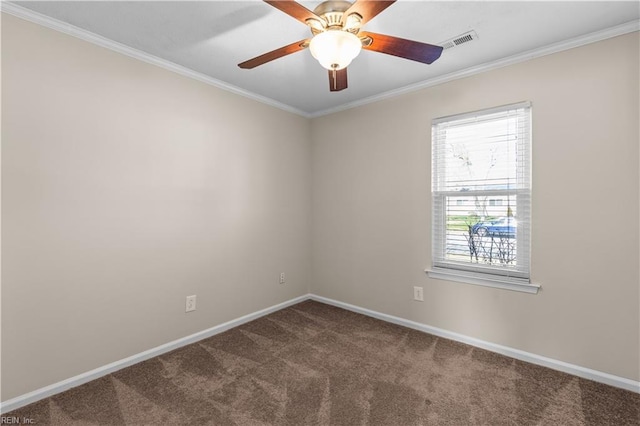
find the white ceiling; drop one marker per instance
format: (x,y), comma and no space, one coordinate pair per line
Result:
(212,37)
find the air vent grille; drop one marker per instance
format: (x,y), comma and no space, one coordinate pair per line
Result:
(461,39)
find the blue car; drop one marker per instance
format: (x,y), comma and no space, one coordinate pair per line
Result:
(501,227)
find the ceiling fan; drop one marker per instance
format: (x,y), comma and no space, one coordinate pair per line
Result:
(336,37)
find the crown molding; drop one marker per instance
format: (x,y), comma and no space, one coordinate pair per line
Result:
(90,37)
(63,27)
(618,30)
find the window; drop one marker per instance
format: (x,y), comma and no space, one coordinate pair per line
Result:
(481,189)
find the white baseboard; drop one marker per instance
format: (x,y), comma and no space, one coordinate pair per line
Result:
(47,391)
(576,370)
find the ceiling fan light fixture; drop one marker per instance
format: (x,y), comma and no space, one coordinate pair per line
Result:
(335,49)
(353,21)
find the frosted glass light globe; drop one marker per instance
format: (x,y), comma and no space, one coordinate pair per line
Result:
(335,49)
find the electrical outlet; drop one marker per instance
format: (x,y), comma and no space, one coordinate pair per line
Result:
(191,303)
(282,281)
(418,294)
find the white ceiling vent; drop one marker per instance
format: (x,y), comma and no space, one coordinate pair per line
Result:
(458,40)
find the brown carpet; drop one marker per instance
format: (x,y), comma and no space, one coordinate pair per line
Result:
(314,364)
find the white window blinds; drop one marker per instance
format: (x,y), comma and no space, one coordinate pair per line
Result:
(481,189)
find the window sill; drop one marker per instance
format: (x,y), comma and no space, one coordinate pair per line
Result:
(497,282)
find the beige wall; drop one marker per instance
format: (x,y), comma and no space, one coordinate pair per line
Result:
(371,208)
(125,188)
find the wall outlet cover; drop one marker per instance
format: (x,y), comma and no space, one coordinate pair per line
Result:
(191,303)
(418,294)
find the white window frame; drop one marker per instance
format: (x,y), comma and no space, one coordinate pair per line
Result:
(517,278)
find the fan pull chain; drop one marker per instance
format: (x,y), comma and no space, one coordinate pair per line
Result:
(335,80)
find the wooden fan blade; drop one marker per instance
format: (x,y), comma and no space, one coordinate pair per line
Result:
(295,10)
(274,54)
(407,49)
(368,9)
(337,80)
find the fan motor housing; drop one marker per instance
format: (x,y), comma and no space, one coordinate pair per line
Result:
(331,11)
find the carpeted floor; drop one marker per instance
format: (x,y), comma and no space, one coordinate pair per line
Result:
(314,364)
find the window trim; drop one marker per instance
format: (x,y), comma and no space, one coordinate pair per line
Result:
(485,280)
(474,274)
